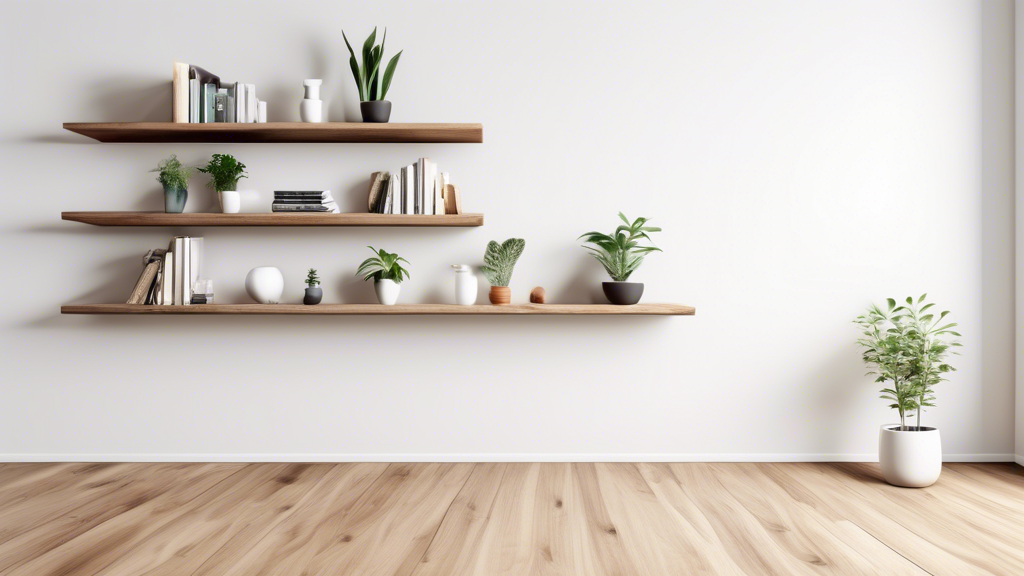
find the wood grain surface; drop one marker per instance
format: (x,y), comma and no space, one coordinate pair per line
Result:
(273,219)
(506,519)
(379,309)
(280,132)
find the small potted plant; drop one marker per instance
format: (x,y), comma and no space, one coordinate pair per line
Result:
(621,254)
(313,291)
(499,261)
(373,86)
(174,176)
(387,274)
(226,171)
(906,348)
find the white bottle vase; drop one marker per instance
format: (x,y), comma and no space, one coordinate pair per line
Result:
(387,291)
(311,108)
(465,285)
(265,284)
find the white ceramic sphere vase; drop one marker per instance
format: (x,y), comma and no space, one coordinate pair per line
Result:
(910,458)
(265,284)
(387,291)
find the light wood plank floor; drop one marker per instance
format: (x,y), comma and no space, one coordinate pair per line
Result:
(497,519)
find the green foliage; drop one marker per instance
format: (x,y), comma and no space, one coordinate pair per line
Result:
(371,84)
(173,174)
(500,259)
(226,172)
(311,278)
(907,346)
(383,266)
(620,252)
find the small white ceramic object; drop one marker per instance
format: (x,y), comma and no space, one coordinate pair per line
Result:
(466,286)
(910,458)
(387,291)
(261,113)
(265,284)
(230,201)
(311,107)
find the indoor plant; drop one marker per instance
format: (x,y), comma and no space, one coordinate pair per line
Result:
(373,86)
(906,346)
(313,291)
(499,260)
(387,274)
(174,176)
(621,254)
(226,171)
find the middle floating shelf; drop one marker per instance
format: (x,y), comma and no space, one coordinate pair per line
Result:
(271,219)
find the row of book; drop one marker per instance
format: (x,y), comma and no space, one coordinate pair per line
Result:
(199,97)
(419,188)
(169,277)
(304,201)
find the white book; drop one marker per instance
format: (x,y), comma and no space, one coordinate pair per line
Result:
(438,195)
(167,287)
(250,103)
(186,272)
(429,170)
(261,115)
(195,264)
(408,190)
(239,101)
(179,269)
(389,199)
(417,180)
(179,96)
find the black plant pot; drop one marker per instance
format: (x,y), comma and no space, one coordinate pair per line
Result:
(375,111)
(623,293)
(313,295)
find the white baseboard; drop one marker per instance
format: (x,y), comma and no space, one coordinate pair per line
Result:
(1019,460)
(485,457)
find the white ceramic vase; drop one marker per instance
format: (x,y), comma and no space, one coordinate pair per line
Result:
(311,108)
(265,284)
(387,291)
(466,286)
(230,202)
(910,458)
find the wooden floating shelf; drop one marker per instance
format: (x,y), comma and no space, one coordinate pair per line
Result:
(271,219)
(279,132)
(397,310)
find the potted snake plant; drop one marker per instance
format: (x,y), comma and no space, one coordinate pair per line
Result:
(387,274)
(621,254)
(906,347)
(372,84)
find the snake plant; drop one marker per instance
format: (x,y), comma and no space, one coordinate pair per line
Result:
(371,84)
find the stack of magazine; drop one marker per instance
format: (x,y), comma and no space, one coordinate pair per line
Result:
(304,201)
(169,276)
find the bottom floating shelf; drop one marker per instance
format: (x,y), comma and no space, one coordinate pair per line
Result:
(378,309)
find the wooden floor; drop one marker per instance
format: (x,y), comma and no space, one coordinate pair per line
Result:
(494,519)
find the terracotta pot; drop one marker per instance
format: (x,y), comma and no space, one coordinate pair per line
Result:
(500,295)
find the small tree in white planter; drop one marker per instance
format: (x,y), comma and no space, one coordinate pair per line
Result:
(906,347)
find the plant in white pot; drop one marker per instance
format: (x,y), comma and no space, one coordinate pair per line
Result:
(906,346)
(387,274)
(621,254)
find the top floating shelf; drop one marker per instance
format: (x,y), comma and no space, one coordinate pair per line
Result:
(279,132)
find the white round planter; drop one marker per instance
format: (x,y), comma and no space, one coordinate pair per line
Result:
(910,458)
(387,291)
(230,202)
(265,284)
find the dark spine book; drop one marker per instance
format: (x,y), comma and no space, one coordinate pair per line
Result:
(299,208)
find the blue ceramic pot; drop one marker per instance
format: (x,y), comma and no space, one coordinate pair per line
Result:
(174,200)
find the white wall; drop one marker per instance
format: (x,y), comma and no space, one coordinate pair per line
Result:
(804,158)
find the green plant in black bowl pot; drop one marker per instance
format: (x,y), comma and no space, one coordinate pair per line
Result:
(174,176)
(621,254)
(372,84)
(314,293)
(226,171)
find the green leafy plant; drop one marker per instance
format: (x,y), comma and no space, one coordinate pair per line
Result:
(173,174)
(226,172)
(311,278)
(500,259)
(372,85)
(906,347)
(620,252)
(383,266)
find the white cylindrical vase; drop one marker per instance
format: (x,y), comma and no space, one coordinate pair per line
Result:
(910,458)
(466,286)
(230,201)
(265,284)
(311,107)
